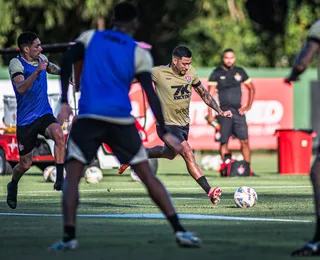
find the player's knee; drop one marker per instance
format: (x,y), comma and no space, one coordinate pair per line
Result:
(59,139)
(171,156)
(189,156)
(168,154)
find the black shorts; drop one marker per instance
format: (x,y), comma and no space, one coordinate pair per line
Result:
(181,132)
(27,135)
(88,134)
(235,126)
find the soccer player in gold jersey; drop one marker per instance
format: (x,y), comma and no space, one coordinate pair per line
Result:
(174,83)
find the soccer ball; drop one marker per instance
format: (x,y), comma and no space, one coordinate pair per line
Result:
(205,162)
(245,197)
(53,173)
(215,163)
(93,175)
(48,171)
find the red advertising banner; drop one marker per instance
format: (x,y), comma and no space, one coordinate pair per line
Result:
(272,109)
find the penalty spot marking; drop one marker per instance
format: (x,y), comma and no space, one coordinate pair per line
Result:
(159,216)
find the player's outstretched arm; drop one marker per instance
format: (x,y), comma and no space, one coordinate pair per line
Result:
(210,101)
(307,53)
(73,54)
(145,80)
(210,117)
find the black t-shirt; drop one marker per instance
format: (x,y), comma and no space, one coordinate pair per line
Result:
(229,86)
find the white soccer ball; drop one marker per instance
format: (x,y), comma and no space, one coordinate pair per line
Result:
(93,175)
(215,163)
(240,157)
(245,197)
(53,173)
(48,172)
(205,162)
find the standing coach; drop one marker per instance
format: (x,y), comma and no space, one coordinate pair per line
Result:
(227,79)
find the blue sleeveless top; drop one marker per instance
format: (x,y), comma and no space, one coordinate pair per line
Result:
(34,103)
(108,70)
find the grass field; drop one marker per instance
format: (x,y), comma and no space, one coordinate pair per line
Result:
(279,197)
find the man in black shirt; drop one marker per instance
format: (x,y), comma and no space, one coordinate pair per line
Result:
(227,79)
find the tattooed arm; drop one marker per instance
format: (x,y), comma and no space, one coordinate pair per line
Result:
(53,69)
(208,99)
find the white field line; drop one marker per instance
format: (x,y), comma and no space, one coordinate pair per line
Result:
(170,189)
(160,216)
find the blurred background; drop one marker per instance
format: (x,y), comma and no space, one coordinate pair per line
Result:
(264,33)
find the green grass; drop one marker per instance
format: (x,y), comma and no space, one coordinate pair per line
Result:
(279,196)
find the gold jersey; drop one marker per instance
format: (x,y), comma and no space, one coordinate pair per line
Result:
(174,92)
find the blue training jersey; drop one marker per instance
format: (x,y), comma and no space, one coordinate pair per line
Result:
(110,64)
(34,102)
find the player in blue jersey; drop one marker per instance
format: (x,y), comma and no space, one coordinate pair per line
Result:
(28,73)
(111,60)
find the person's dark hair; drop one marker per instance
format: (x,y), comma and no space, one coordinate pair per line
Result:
(125,12)
(181,51)
(26,39)
(227,50)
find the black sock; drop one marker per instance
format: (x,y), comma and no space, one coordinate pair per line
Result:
(59,167)
(202,181)
(69,233)
(14,182)
(317,234)
(175,223)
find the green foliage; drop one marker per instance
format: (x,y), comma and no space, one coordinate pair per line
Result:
(206,26)
(214,29)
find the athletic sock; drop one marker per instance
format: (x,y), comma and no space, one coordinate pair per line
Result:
(69,233)
(14,182)
(202,181)
(317,234)
(175,223)
(59,167)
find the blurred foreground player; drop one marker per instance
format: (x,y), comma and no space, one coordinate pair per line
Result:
(112,60)
(308,52)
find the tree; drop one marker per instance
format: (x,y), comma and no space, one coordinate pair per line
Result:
(263,33)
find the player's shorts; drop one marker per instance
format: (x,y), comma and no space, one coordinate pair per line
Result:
(235,126)
(27,135)
(88,134)
(181,132)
